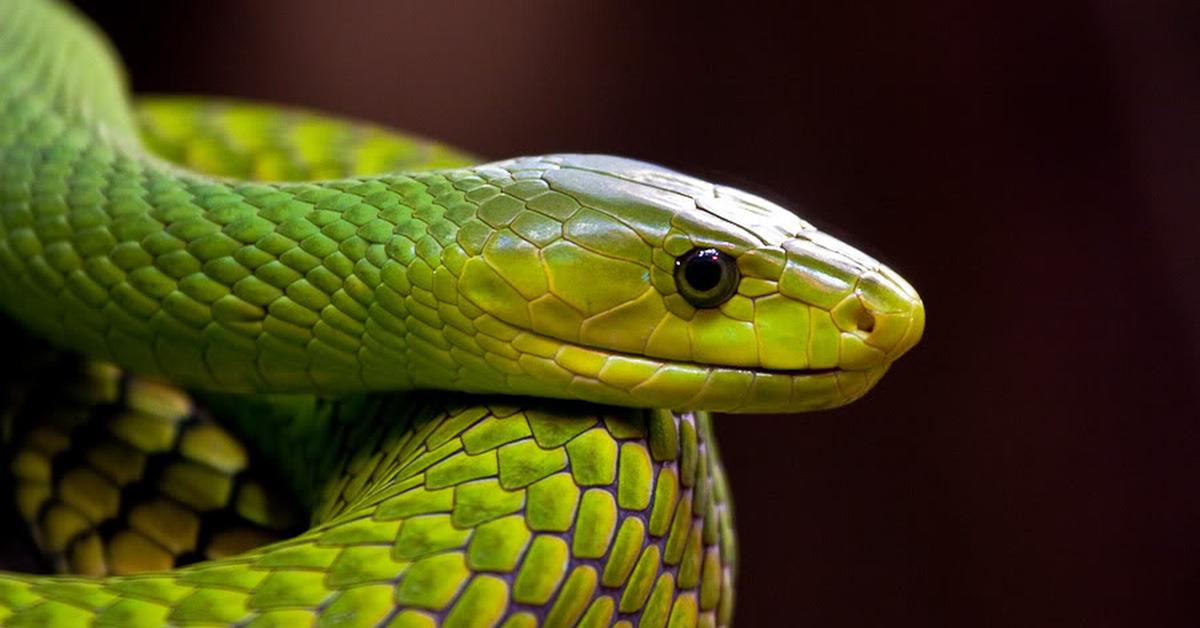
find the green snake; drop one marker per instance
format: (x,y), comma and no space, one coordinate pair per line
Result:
(315,283)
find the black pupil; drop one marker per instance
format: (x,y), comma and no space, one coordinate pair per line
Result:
(703,272)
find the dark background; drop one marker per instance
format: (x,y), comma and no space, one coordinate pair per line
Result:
(1032,170)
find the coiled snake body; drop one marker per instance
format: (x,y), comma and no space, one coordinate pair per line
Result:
(216,248)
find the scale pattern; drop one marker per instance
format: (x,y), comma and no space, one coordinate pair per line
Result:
(548,276)
(118,475)
(518,515)
(259,142)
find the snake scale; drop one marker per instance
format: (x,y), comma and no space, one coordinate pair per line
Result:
(329,291)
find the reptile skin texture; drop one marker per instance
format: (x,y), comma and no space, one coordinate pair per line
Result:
(550,276)
(289,369)
(495,513)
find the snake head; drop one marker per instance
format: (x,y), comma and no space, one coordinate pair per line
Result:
(618,281)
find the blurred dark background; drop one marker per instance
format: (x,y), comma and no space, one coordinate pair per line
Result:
(1032,168)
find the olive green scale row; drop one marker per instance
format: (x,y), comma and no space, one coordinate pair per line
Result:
(118,477)
(475,517)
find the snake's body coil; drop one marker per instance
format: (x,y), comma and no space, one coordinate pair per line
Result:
(234,249)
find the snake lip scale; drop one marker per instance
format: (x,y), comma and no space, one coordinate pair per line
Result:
(710,368)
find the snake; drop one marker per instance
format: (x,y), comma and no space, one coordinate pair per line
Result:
(489,385)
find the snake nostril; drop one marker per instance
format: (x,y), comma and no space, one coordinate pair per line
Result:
(865,321)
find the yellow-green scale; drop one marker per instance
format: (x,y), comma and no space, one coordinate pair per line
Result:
(480,515)
(118,475)
(553,276)
(433,535)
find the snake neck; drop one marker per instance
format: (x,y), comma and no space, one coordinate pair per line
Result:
(332,286)
(111,251)
(550,276)
(57,63)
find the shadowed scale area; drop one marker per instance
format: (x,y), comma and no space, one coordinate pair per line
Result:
(543,512)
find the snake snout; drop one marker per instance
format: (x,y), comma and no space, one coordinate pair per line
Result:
(886,314)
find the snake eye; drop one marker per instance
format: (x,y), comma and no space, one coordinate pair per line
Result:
(706,277)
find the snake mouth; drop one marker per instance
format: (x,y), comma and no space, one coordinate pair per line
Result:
(793,372)
(608,376)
